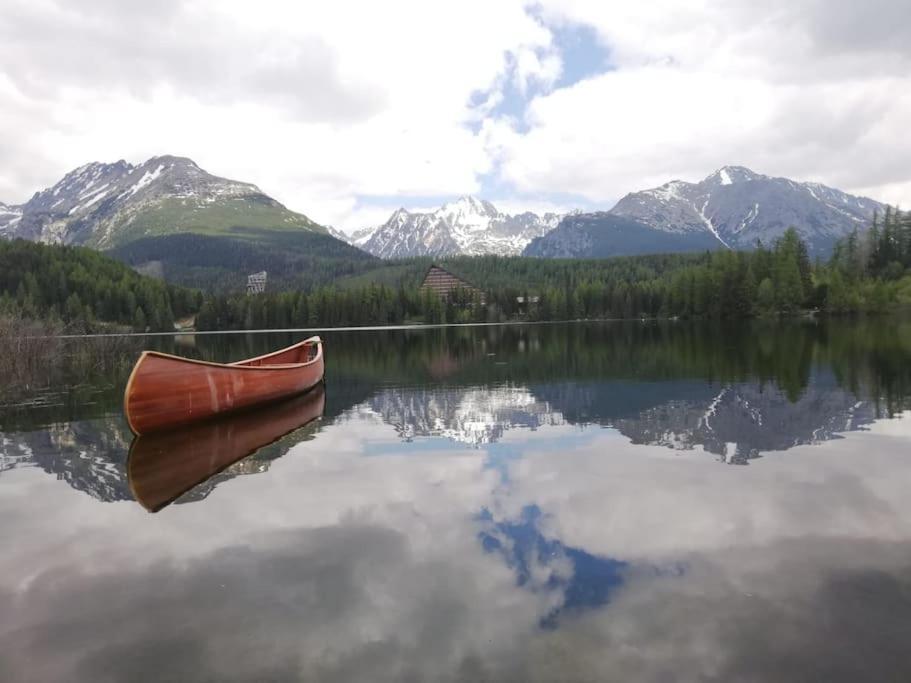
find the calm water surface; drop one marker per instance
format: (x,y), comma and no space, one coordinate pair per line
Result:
(580,502)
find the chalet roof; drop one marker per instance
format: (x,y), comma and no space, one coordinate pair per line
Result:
(442,281)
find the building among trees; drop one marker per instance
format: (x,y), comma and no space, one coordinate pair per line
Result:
(256,283)
(444,284)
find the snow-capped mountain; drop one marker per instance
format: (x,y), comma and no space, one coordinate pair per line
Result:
(741,421)
(359,237)
(732,208)
(103,205)
(467,226)
(10,216)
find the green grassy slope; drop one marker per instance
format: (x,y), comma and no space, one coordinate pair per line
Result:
(252,218)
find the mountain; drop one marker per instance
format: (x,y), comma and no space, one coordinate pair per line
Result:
(467,226)
(337,234)
(603,234)
(359,237)
(107,205)
(10,216)
(732,208)
(169,218)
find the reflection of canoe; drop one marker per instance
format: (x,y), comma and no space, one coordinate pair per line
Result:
(163,466)
(166,391)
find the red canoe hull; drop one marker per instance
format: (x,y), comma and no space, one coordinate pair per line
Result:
(167,391)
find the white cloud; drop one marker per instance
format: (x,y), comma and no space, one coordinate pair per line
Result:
(325,103)
(784,87)
(314,102)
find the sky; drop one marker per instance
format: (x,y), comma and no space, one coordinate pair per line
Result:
(347,110)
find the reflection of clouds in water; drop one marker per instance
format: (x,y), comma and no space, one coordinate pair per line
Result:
(608,494)
(336,566)
(349,602)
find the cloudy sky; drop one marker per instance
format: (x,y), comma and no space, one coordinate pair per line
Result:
(347,110)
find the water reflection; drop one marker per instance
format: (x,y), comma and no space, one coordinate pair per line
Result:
(163,466)
(733,392)
(527,504)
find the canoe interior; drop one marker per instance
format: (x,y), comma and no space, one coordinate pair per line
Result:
(299,353)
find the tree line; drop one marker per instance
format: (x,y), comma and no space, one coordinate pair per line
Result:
(869,271)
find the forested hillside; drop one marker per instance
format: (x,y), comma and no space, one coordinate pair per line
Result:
(86,289)
(869,273)
(220,264)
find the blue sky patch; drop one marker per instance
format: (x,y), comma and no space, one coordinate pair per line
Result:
(522,545)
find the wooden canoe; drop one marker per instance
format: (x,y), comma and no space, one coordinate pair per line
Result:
(166,391)
(163,466)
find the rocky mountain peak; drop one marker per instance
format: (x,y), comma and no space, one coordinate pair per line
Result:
(467,225)
(731,208)
(730,175)
(102,204)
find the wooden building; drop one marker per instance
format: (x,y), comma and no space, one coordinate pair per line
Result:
(444,283)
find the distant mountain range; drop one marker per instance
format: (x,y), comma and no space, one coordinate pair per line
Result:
(467,226)
(732,208)
(170,217)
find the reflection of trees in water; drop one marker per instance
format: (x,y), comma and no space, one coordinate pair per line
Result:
(770,386)
(872,353)
(734,389)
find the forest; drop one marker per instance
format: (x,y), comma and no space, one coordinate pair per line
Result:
(869,272)
(86,290)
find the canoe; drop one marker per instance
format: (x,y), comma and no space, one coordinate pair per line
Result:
(166,391)
(165,465)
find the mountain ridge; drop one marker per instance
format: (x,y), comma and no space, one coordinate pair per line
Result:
(733,207)
(103,205)
(466,226)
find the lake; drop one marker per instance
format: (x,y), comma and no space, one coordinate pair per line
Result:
(591,501)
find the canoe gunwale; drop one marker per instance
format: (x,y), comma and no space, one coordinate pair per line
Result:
(238,364)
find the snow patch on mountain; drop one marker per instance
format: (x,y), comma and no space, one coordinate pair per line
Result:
(146,179)
(10,216)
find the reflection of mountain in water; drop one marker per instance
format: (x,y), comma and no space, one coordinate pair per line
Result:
(743,420)
(473,415)
(89,455)
(736,421)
